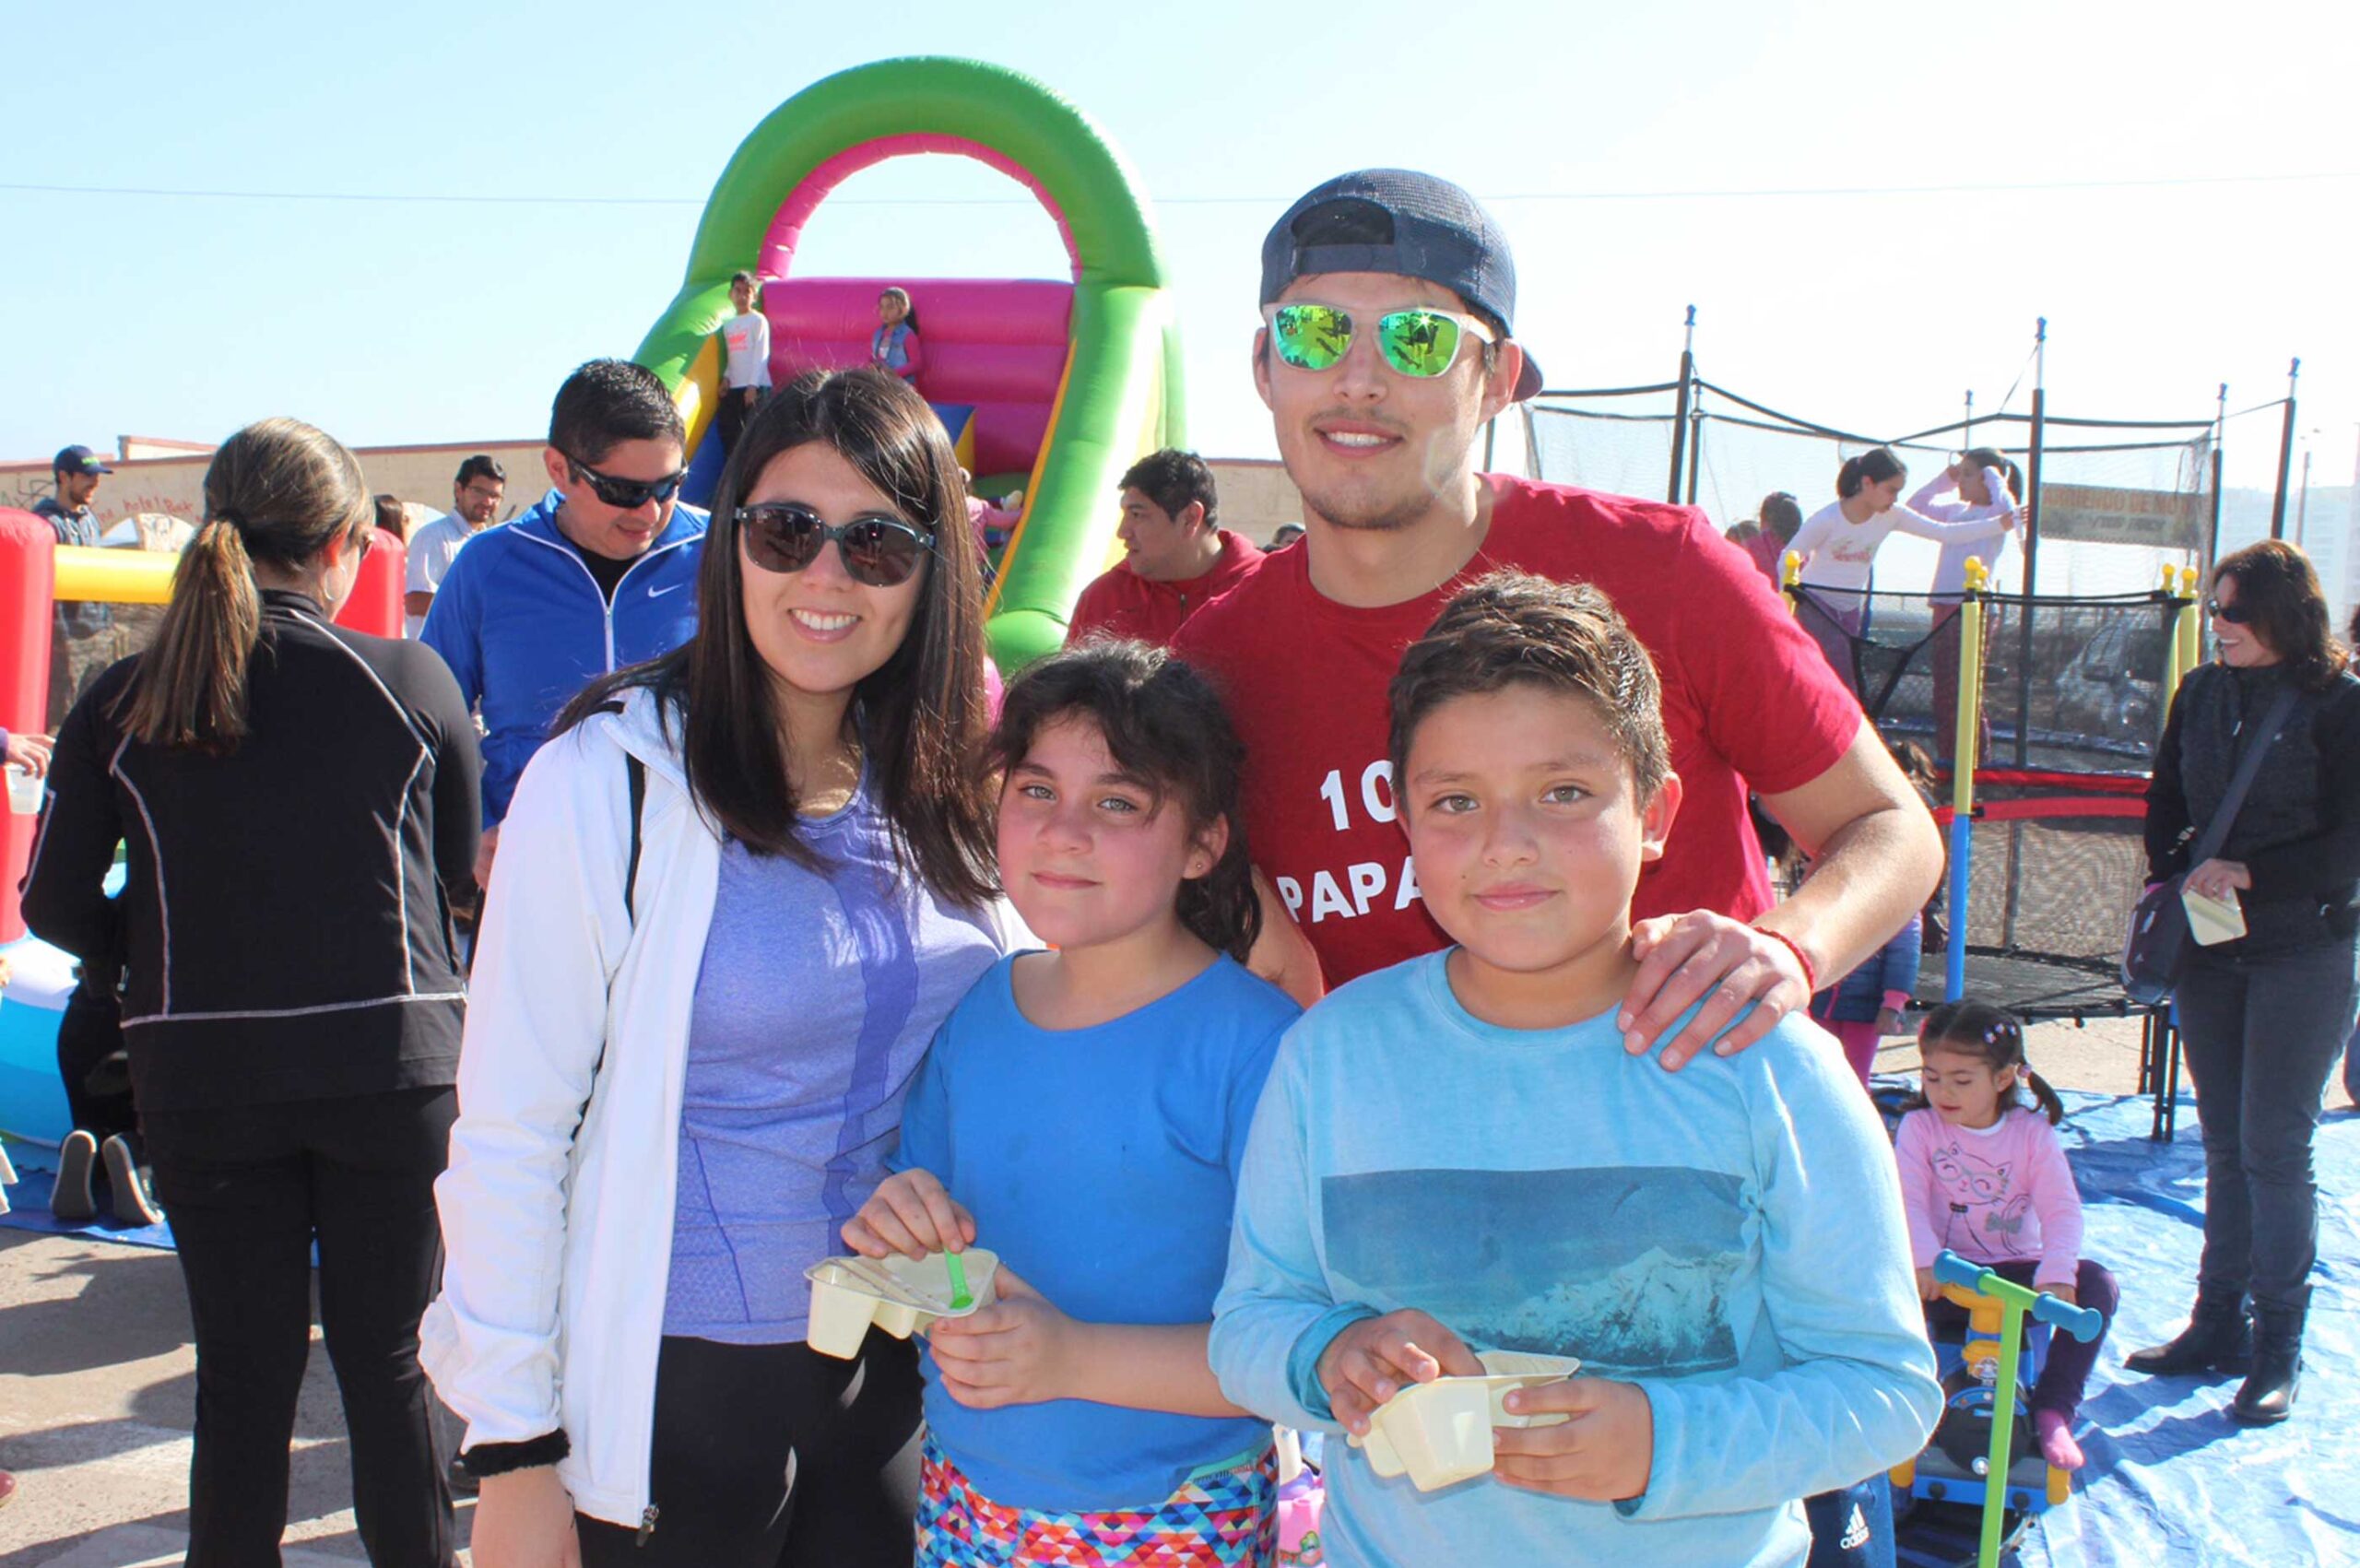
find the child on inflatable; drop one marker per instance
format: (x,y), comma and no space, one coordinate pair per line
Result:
(1083,1113)
(1983,1175)
(1459,1153)
(894,346)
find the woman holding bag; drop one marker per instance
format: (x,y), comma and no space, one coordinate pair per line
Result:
(737,893)
(2265,1014)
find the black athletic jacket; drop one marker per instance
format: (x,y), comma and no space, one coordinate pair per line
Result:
(283,910)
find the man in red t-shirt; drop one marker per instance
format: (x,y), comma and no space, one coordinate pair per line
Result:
(1175,556)
(1387,297)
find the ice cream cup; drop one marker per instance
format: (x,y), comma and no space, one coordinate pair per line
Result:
(899,1295)
(1439,1434)
(24,792)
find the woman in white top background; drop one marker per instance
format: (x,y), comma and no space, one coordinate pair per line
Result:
(1982,489)
(1839,542)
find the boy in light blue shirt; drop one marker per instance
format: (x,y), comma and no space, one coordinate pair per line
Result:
(1457,1154)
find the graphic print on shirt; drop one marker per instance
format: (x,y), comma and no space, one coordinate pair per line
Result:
(1991,1215)
(1332,893)
(1628,1267)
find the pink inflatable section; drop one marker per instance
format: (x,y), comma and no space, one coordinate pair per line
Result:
(999,345)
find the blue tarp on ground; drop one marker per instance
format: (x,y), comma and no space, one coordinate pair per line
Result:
(2171,1478)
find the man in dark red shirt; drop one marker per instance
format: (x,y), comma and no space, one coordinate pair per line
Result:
(1175,555)
(1387,297)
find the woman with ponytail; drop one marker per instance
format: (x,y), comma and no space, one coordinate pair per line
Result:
(1839,543)
(293,798)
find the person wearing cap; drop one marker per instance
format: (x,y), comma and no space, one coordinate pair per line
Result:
(1388,301)
(476,495)
(83,637)
(1175,556)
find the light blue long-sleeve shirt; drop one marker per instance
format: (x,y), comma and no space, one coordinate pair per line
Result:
(1728,1237)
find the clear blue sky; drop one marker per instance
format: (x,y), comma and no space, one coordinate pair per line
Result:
(400,321)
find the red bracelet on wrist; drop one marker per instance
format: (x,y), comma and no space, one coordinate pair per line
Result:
(1811,980)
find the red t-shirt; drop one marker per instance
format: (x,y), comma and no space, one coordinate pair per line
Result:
(1747,698)
(1121,602)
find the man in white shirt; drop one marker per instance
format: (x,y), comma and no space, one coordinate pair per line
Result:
(745,343)
(476,495)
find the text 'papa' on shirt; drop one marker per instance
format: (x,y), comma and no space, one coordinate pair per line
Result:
(1101,1164)
(1728,1237)
(815,999)
(1747,699)
(2000,1193)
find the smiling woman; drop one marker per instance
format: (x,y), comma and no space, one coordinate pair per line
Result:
(775,847)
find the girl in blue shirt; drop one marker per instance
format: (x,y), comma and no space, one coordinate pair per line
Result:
(1083,1112)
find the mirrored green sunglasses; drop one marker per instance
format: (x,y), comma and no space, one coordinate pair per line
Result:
(1417,342)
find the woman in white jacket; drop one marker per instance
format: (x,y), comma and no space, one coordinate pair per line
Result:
(735,896)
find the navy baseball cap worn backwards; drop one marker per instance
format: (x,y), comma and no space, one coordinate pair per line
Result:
(1400,221)
(78,460)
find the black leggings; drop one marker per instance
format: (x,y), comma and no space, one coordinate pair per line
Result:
(745,1431)
(248,1189)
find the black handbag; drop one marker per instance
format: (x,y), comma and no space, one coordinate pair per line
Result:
(2157,946)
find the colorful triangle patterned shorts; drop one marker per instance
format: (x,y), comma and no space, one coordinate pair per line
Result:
(1225,1520)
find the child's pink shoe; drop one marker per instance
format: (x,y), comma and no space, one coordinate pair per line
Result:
(2057,1439)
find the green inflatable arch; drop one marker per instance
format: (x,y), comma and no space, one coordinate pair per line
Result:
(1121,393)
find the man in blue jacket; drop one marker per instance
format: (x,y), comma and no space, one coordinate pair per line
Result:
(600,572)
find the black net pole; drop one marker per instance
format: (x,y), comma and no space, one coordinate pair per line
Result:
(2285,455)
(2219,435)
(1679,414)
(1695,449)
(2031,538)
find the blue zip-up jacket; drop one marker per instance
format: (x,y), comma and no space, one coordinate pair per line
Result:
(520,622)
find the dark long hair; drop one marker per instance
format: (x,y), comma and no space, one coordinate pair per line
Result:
(1160,721)
(1874,467)
(1992,1037)
(277,492)
(2280,595)
(920,714)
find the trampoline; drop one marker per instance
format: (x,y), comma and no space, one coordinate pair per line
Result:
(2060,702)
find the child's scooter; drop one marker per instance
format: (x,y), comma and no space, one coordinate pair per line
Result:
(1983,1451)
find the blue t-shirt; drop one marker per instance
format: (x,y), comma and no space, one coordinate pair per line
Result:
(1101,1164)
(815,999)
(1728,1237)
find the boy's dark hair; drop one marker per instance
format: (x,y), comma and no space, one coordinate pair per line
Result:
(608,402)
(1512,628)
(1992,1037)
(1172,478)
(483,466)
(744,277)
(1163,723)
(1782,516)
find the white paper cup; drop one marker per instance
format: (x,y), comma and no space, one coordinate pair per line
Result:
(25,792)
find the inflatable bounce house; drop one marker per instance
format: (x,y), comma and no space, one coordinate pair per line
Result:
(1055,386)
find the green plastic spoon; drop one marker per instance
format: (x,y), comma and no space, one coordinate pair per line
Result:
(960,1297)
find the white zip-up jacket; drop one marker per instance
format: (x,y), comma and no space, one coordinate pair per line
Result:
(557,1206)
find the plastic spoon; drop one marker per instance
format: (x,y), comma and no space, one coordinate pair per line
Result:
(960,1297)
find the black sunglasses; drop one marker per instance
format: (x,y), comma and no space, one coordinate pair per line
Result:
(2235,615)
(628,494)
(879,552)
